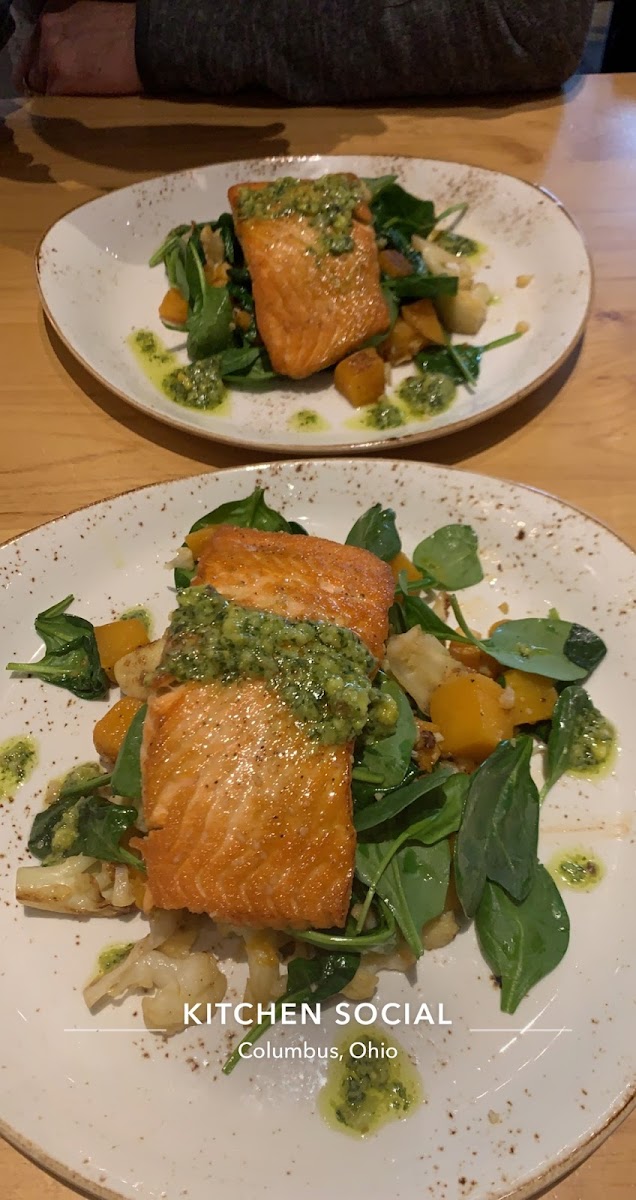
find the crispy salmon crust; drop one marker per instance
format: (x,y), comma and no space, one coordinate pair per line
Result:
(311,309)
(249,819)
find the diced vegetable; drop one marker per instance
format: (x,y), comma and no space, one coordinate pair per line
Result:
(535,697)
(422,317)
(196,541)
(360,377)
(469,713)
(420,663)
(119,638)
(174,307)
(394,264)
(242,319)
(466,312)
(134,670)
(402,562)
(110,732)
(402,344)
(440,262)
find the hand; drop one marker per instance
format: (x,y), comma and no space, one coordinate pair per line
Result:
(83,47)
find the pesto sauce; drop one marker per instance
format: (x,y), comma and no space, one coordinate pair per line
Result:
(193,385)
(580,870)
(112,956)
(79,774)
(306,420)
(139,613)
(321,671)
(593,748)
(427,394)
(372,1082)
(196,385)
(65,834)
(18,756)
(328,203)
(383,415)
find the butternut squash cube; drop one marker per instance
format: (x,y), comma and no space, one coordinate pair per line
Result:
(535,697)
(174,307)
(468,711)
(402,344)
(119,638)
(402,562)
(360,377)
(110,732)
(422,317)
(196,541)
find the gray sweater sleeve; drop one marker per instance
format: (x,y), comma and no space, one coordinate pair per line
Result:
(336,51)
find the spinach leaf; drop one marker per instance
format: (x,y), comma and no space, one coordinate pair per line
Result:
(170,241)
(522,941)
(231,244)
(460,361)
(539,644)
(417,287)
(381,863)
(126,776)
(209,309)
(86,825)
(209,323)
(442,361)
(449,556)
(308,980)
(376,531)
(580,736)
(379,183)
(584,648)
(393,207)
(410,877)
(71,660)
(384,763)
(497,839)
(394,802)
(83,787)
(416,611)
(250,513)
(246,366)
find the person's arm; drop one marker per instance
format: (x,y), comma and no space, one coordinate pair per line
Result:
(330,51)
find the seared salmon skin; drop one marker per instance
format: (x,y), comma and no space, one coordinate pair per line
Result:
(312,305)
(249,819)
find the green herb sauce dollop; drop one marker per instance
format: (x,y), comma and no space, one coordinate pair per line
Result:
(428,394)
(593,747)
(18,756)
(365,1087)
(580,870)
(321,671)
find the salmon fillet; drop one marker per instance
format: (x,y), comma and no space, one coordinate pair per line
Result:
(311,309)
(249,819)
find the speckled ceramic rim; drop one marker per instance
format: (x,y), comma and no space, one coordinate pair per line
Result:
(389,443)
(626,1105)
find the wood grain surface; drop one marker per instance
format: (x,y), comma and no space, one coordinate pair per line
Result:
(66,441)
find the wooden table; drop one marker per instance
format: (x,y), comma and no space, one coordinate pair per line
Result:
(66,441)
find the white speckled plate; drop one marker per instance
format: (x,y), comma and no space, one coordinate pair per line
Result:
(96,288)
(508,1110)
